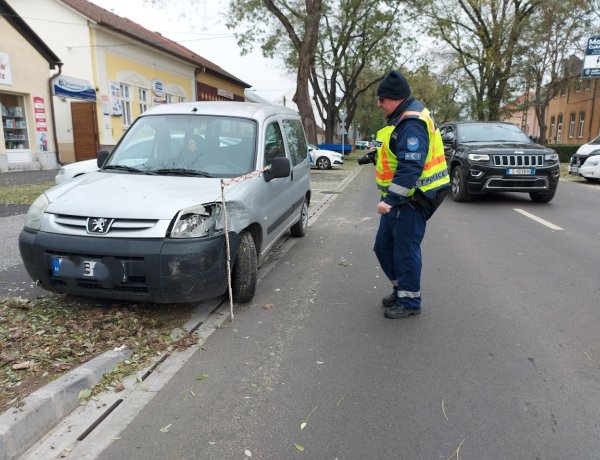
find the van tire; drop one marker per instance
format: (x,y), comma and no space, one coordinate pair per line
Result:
(243,275)
(299,228)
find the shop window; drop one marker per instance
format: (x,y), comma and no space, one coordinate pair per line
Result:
(143,98)
(581,123)
(169,98)
(125,98)
(14,123)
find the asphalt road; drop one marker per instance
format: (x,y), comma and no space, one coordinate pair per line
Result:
(502,363)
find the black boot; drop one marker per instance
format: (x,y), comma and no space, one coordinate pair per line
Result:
(389,300)
(399,312)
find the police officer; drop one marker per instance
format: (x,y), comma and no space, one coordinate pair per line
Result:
(412,178)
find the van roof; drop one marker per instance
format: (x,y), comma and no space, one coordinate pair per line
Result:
(223,108)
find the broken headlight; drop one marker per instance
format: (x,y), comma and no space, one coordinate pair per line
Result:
(198,221)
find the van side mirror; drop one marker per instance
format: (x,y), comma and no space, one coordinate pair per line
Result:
(280,167)
(102,157)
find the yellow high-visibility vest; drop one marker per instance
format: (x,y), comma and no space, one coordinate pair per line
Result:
(435,171)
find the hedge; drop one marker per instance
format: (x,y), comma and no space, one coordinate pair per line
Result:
(565,151)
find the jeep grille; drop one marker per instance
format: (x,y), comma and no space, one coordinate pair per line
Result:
(518,160)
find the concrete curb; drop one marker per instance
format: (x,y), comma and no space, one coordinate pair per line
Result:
(23,427)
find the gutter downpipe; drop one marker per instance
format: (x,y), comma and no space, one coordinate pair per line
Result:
(54,135)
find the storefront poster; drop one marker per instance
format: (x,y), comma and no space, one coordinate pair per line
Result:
(115,98)
(5,72)
(41,126)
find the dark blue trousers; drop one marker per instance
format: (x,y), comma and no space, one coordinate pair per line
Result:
(398,249)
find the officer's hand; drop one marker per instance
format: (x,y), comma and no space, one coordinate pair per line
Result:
(383,208)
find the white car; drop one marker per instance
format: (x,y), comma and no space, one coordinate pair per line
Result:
(324,159)
(71,170)
(591,168)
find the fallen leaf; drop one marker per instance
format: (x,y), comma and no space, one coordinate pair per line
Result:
(85,393)
(119,387)
(300,447)
(303,425)
(247,453)
(202,377)
(22,365)
(165,429)
(268,306)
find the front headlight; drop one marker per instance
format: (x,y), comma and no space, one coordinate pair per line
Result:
(198,221)
(36,211)
(551,157)
(478,157)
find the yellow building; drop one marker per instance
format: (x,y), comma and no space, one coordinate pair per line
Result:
(114,69)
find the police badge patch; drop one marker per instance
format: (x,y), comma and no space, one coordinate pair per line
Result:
(412,143)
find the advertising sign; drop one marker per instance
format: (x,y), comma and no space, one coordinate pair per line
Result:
(41,126)
(73,88)
(5,73)
(591,62)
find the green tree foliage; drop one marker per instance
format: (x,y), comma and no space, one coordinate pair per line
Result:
(283,25)
(482,37)
(555,36)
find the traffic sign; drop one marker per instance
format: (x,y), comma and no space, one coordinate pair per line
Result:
(591,62)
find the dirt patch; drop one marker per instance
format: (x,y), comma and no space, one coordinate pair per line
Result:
(42,339)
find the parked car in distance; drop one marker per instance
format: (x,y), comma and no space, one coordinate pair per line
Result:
(581,157)
(362,145)
(494,156)
(71,170)
(324,159)
(149,225)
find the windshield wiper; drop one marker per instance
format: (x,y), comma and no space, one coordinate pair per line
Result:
(182,172)
(128,169)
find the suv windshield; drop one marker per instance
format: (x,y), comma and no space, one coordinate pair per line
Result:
(491,132)
(207,146)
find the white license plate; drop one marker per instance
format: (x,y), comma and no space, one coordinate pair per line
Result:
(87,267)
(573,169)
(520,171)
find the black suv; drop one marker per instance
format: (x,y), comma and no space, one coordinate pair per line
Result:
(492,156)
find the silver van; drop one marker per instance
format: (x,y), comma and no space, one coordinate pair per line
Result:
(149,225)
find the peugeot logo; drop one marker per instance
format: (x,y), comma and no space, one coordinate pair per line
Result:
(99,225)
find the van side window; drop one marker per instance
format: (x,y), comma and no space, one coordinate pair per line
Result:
(274,143)
(296,140)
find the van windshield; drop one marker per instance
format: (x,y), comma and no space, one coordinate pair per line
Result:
(211,146)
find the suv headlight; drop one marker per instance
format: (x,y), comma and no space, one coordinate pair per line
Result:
(478,157)
(551,157)
(36,211)
(198,221)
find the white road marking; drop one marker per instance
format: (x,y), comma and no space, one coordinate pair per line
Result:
(538,219)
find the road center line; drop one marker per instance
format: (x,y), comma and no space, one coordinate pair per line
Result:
(538,219)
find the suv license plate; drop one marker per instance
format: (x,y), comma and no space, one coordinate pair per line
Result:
(520,172)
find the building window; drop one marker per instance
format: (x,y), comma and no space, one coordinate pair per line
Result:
(578,85)
(559,123)
(125,98)
(572,125)
(182,99)
(169,98)
(552,124)
(563,89)
(581,123)
(588,84)
(143,98)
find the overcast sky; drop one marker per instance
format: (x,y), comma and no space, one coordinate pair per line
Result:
(204,32)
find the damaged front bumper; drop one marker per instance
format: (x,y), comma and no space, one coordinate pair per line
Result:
(143,270)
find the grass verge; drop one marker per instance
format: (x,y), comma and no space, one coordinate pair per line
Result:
(22,194)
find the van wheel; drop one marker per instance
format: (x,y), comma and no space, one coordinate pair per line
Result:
(299,228)
(243,275)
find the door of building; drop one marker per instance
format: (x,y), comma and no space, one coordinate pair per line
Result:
(85,130)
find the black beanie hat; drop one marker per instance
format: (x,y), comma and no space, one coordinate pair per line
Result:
(393,86)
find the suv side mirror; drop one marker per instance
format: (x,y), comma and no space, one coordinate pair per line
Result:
(448,138)
(534,138)
(102,157)
(280,167)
